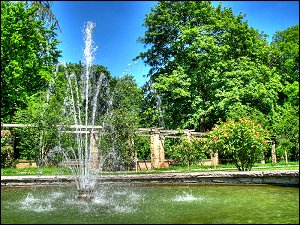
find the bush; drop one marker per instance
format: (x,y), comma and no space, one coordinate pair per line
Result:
(188,151)
(243,141)
(7,150)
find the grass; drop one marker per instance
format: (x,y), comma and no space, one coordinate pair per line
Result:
(45,171)
(230,167)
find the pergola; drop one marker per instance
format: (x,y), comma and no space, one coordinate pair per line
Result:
(157,138)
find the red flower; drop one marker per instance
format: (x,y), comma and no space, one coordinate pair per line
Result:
(3,132)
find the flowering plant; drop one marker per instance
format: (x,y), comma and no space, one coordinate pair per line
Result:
(6,149)
(243,141)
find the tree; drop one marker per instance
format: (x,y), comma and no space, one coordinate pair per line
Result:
(45,111)
(188,152)
(28,53)
(285,54)
(44,11)
(285,126)
(245,89)
(122,119)
(243,141)
(192,45)
(7,159)
(284,122)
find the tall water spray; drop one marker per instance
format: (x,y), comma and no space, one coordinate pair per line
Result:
(81,103)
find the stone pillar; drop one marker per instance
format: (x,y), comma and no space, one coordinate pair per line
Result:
(94,152)
(274,159)
(263,159)
(188,135)
(214,158)
(286,157)
(157,150)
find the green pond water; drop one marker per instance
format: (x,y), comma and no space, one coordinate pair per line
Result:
(146,204)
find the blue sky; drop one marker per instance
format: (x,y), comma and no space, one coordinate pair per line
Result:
(119,24)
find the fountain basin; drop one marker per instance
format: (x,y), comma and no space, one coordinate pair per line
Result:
(278,177)
(151,203)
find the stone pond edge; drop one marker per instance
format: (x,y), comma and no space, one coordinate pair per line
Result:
(276,177)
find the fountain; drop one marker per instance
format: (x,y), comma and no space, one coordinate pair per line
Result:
(186,202)
(81,104)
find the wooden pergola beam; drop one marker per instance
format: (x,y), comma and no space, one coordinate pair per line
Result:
(67,126)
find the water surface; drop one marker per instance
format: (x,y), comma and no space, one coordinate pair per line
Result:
(146,204)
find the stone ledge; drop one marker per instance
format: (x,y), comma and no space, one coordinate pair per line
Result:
(278,177)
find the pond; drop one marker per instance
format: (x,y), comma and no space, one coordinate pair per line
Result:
(117,203)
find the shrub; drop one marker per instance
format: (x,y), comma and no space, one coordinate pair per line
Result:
(7,151)
(188,151)
(243,141)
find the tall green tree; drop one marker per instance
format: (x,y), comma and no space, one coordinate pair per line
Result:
(194,49)
(284,54)
(284,58)
(58,105)
(28,53)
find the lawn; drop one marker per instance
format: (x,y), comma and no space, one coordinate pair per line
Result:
(172,169)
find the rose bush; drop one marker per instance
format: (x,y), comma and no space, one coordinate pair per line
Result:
(243,141)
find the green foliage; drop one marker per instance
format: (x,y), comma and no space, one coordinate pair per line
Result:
(44,12)
(284,58)
(285,53)
(27,143)
(35,142)
(208,65)
(243,141)
(246,89)
(28,51)
(142,147)
(151,111)
(169,144)
(117,109)
(286,129)
(44,112)
(188,152)
(198,52)
(7,151)
(123,116)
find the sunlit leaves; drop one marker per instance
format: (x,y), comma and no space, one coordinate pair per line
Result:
(188,152)
(177,83)
(285,53)
(28,51)
(201,52)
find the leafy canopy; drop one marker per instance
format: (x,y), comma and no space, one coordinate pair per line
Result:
(28,52)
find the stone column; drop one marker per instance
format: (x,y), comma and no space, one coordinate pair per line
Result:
(157,150)
(274,159)
(95,152)
(263,159)
(214,158)
(188,134)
